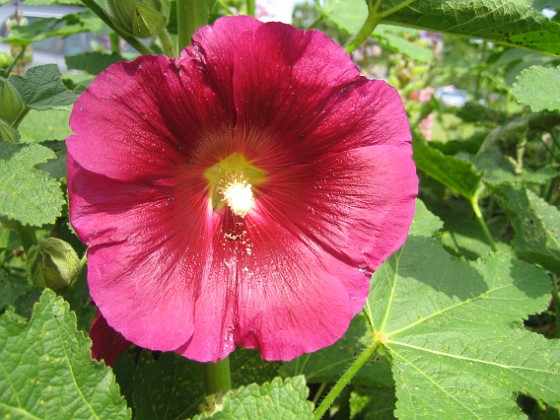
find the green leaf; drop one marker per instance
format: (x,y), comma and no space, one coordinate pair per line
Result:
(49,2)
(51,27)
(11,289)
(536,224)
(41,88)
(279,399)
(348,15)
(40,126)
(329,364)
(510,22)
(538,87)
(47,371)
(248,367)
(27,194)
(169,387)
(92,62)
(424,222)
(454,333)
(7,132)
(456,174)
(393,38)
(373,403)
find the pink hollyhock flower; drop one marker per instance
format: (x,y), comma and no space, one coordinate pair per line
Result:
(241,194)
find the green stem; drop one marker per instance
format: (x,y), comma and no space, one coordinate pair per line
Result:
(18,57)
(115,42)
(479,73)
(217,377)
(319,392)
(191,15)
(556,300)
(134,42)
(478,214)
(251,8)
(371,23)
(21,117)
(166,43)
(226,7)
(26,236)
(345,379)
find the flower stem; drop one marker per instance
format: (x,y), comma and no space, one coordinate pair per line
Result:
(217,377)
(345,379)
(556,302)
(251,8)
(134,42)
(166,43)
(191,15)
(371,23)
(114,41)
(483,225)
(18,57)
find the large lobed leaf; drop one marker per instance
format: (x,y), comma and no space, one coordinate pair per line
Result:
(512,22)
(453,330)
(46,369)
(27,194)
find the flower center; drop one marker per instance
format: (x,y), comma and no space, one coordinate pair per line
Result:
(231,182)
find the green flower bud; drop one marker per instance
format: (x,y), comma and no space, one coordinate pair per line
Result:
(52,263)
(11,104)
(141,18)
(5,60)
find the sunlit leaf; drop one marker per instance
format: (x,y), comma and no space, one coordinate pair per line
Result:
(538,87)
(26,193)
(47,371)
(279,399)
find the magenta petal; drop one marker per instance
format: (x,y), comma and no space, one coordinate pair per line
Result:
(108,344)
(170,265)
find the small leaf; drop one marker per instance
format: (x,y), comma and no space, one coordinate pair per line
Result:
(279,399)
(28,194)
(41,88)
(536,224)
(456,174)
(538,87)
(392,38)
(8,133)
(92,62)
(47,371)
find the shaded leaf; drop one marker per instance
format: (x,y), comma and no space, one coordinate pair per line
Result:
(425,223)
(92,62)
(170,387)
(47,371)
(456,174)
(536,224)
(373,403)
(27,194)
(538,87)
(41,88)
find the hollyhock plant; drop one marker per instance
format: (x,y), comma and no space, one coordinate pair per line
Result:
(241,194)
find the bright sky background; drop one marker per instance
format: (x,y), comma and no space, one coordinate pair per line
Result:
(281,9)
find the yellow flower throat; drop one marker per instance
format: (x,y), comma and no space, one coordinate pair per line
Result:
(231,182)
